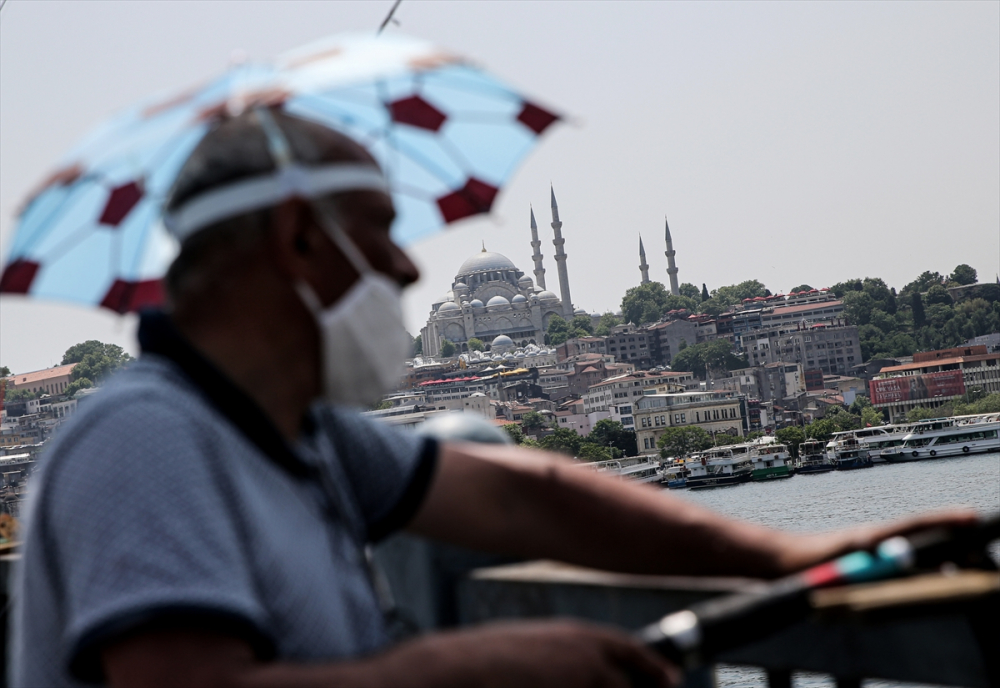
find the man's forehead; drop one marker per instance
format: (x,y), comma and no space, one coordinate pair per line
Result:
(376,204)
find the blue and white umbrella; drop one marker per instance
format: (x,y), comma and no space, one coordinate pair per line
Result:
(447,135)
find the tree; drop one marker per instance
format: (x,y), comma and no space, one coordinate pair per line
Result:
(608,321)
(515,433)
(871,416)
(921,413)
(4,371)
(860,402)
(735,293)
(937,294)
(532,421)
(923,282)
(707,356)
(704,292)
(558,330)
(14,395)
(562,440)
(418,345)
(447,349)
(858,307)
(476,344)
(721,439)
(801,287)
(841,288)
(681,441)
(611,433)
(690,291)
(645,303)
(95,360)
(581,326)
(821,430)
(917,304)
(963,274)
(792,436)
(594,452)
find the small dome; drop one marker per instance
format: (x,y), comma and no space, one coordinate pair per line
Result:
(448,306)
(476,303)
(579,311)
(498,301)
(520,354)
(461,285)
(533,353)
(501,340)
(524,279)
(519,298)
(497,357)
(508,356)
(547,296)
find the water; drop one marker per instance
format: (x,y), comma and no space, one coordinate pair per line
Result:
(827,501)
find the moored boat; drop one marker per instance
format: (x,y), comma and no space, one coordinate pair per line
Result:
(812,458)
(850,454)
(943,437)
(770,462)
(717,468)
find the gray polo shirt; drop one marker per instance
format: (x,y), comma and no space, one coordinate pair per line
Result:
(170,502)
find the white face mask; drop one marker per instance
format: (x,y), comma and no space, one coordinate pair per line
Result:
(363,343)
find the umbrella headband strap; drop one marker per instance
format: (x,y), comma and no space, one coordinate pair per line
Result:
(266,191)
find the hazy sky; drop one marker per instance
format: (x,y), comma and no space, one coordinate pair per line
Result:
(787,142)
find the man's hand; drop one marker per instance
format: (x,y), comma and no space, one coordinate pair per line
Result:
(802,551)
(544,653)
(562,654)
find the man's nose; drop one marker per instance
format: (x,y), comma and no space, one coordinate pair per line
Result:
(405,272)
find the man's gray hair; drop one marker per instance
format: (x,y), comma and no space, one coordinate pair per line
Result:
(236,149)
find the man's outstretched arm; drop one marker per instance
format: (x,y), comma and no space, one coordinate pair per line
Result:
(534,504)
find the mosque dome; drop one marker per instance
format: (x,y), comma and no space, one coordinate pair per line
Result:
(486,260)
(519,298)
(547,296)
(508,356)
(501,341)
(525,281)
(449,296)
(448,306)
(461,285)
(497,301)
(476,303)
(520,354)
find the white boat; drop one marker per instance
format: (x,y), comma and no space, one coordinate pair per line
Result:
(771,461)
(870,441)
(812,458)
(956,436)
(635,469)
(718,467)
(847,452)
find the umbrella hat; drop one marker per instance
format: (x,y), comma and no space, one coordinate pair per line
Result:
(446,134)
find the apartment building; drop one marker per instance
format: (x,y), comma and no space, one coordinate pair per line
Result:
(714,412)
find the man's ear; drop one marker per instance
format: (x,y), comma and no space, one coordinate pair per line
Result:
(292,238)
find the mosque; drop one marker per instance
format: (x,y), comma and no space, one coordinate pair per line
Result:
(494,301)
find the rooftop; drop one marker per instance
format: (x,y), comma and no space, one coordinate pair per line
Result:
(41,375)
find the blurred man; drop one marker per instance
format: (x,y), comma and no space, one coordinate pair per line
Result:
(202,521)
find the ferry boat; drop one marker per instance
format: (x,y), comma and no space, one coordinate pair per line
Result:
(813,458)
(871,439)
(957,436)
(883,446)
(635,469)
(770,462)
(673,476)
(718,467)
(850,454)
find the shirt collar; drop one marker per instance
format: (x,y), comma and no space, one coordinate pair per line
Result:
(158,335)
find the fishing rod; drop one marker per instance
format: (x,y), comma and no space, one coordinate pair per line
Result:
(695,635)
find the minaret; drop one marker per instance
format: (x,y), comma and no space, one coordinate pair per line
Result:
(537,253)
(567,303)
(643,268)
(671,266)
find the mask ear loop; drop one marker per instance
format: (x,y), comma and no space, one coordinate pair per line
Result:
(281,153)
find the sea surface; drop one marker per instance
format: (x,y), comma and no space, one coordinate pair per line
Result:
(839,499)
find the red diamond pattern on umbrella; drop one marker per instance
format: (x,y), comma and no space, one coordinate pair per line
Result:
(18,276)
(121,201)
(535,118)
(125,296)
(473,198)
(417,112)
